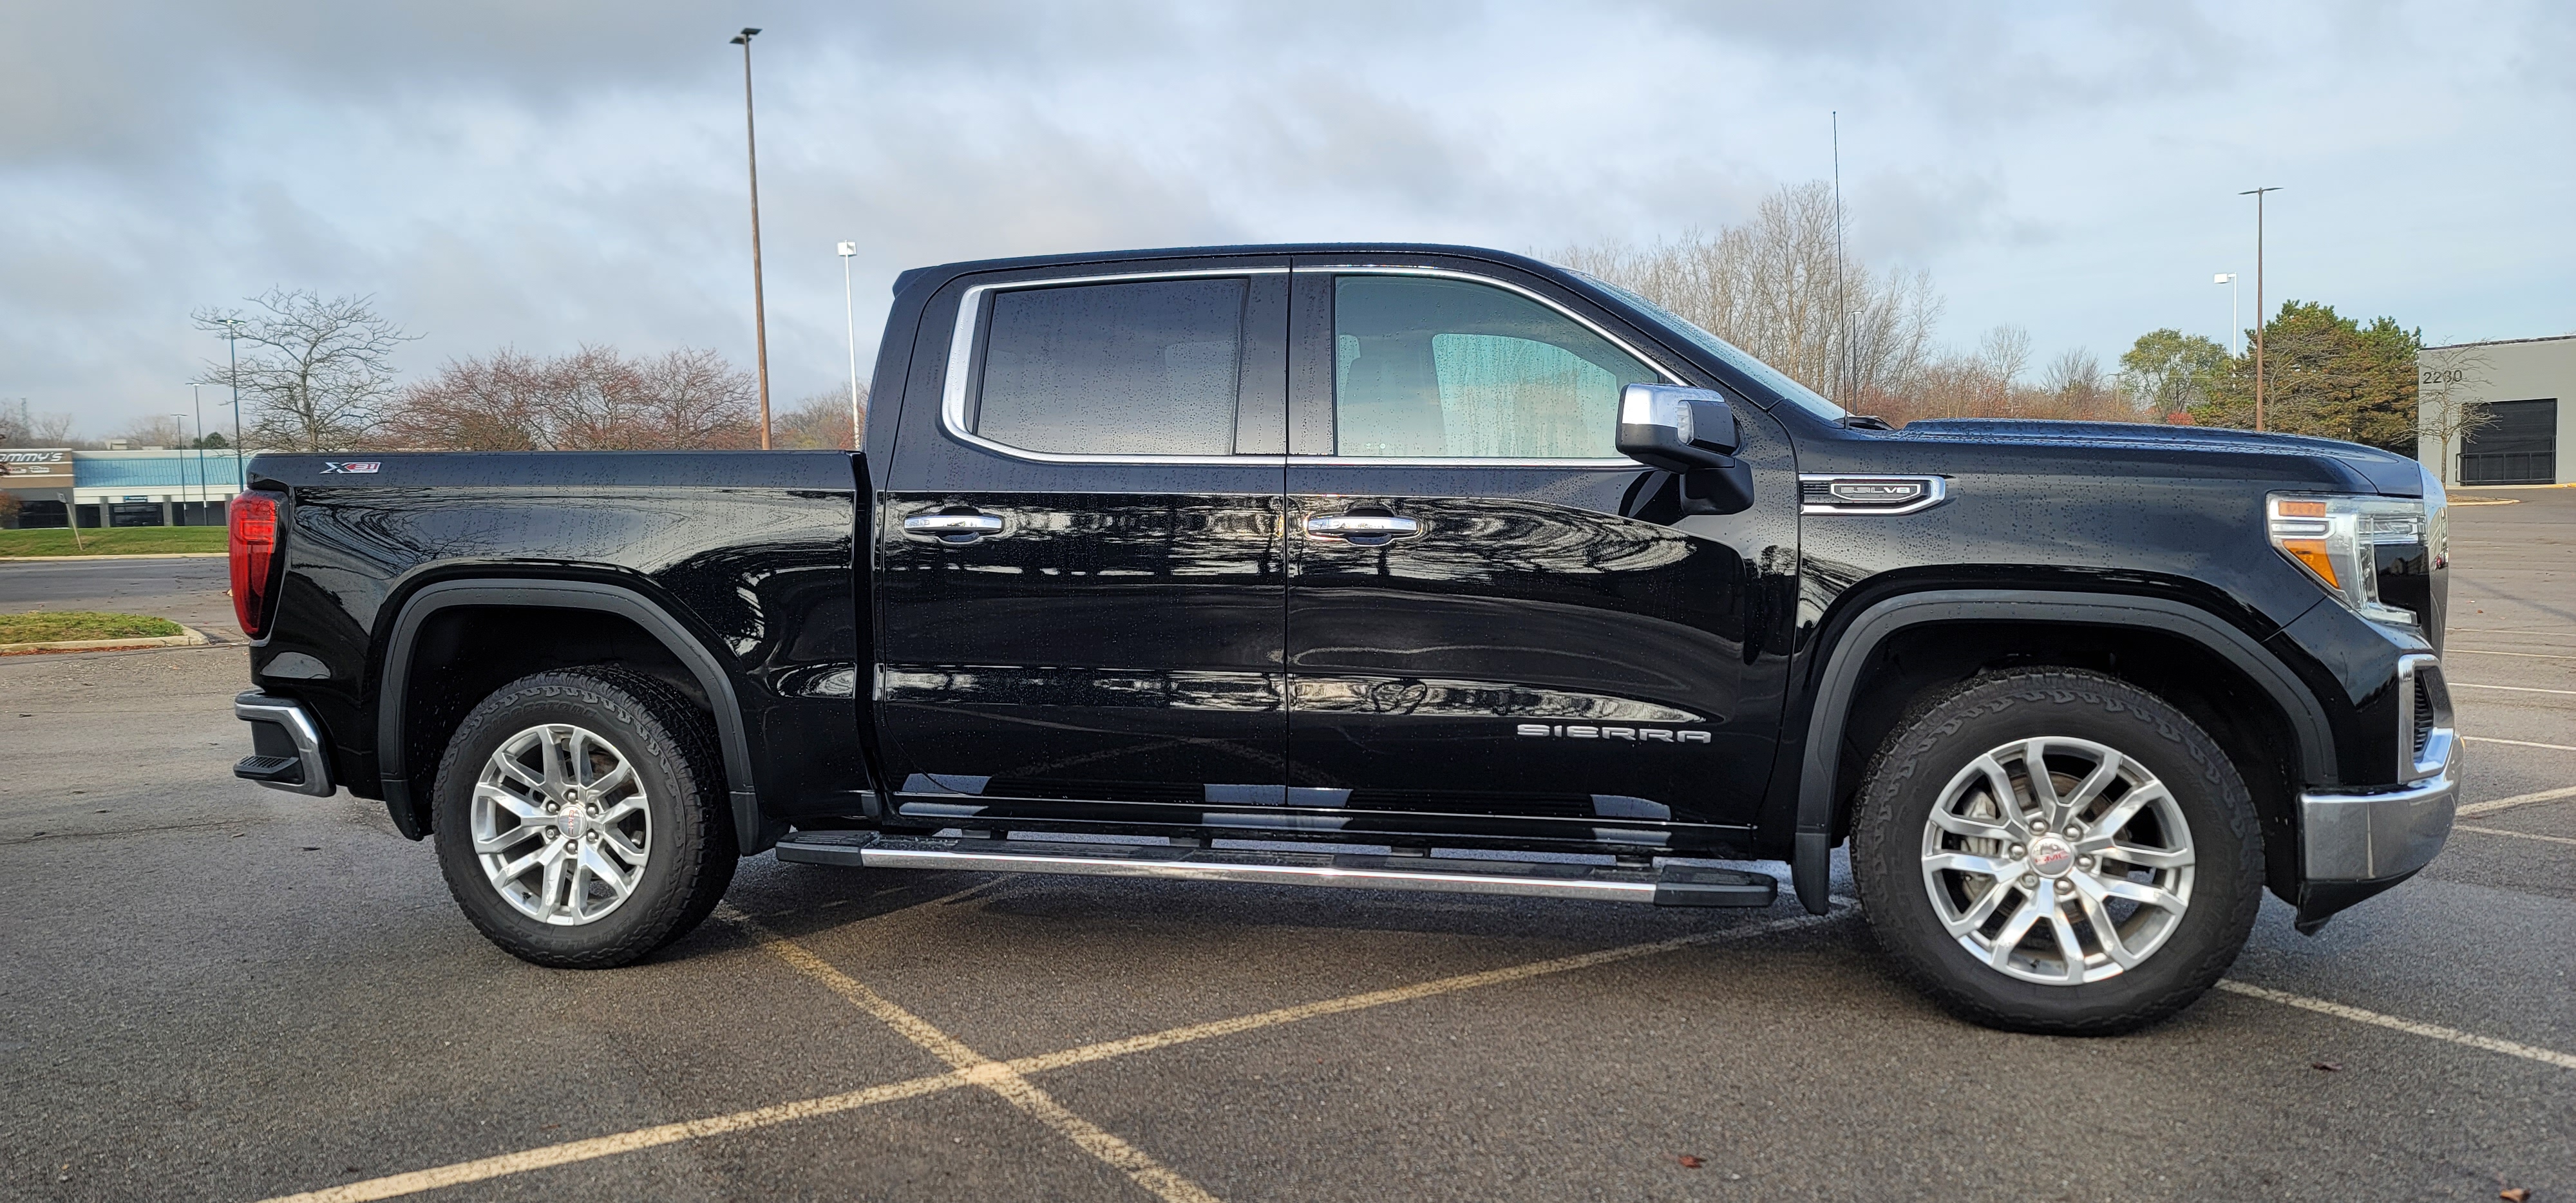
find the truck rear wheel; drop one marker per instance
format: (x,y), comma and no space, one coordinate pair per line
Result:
(581,818)
(2057,851)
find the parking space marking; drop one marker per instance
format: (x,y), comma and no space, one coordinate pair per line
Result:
(2545,1056)
(2512,688)
(2520,835)
(2480,651)
(2519,743)
(485,1168)
(998,1077)
(2488,808)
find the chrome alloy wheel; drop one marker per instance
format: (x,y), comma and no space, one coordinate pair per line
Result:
(560,824)
(2058,860)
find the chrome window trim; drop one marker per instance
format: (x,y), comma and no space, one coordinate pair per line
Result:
(1616,463)
(1938,492)
(961,349)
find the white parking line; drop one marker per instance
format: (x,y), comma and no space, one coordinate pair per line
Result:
(2519,743)
(2479,651)
(2488,808)
(2545,1056)
(2512,688)
(2520,835)
(486,1168)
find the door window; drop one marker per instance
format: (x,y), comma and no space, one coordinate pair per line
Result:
(1142,368)
(1434,368)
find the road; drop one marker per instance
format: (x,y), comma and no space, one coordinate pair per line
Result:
(215,991)
(186,590)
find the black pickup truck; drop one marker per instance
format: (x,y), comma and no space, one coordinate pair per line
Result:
(1410,567)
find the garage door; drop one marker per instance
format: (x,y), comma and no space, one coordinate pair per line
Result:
(2517,446)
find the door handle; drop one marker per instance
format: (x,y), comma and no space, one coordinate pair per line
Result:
(1367,530)
(953,528)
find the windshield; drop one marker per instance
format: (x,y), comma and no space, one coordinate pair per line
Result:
(1772,378)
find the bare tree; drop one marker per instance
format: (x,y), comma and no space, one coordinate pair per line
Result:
(160,430)
(1769,286)
(2450,392)
(315,370)
(594,399)
(21,428)
(819,422)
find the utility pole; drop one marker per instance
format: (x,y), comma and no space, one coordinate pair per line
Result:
(850,316)
(1842,303)
(759,312)
(2257,194)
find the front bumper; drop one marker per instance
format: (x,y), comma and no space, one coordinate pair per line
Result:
(2355,845)
(287,751)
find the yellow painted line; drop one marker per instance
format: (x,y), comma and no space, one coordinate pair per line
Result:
(2520,835)
(487,1168)
(2545,1056)
(2512,688)
(2488,808)
(1140,1167)
(2519,743)
(2479,651)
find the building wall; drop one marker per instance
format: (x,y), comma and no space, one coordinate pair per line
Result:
(124,488)
(2520,370)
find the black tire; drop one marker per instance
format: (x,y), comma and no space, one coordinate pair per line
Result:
(671,745)
(1944,735)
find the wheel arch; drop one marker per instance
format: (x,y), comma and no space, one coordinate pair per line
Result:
(393,693)
(1823,795)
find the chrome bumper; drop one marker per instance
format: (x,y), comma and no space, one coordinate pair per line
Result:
(306,769)
(2377,837)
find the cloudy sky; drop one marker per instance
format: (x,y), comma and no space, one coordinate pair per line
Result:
(545,174)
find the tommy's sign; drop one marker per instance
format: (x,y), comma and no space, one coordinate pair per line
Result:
(49,467)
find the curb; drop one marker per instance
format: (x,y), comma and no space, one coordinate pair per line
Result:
(79,558)
(187,637)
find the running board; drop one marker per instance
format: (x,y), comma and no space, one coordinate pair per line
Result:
(1669,885)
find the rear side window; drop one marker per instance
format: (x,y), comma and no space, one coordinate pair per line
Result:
(1142,368)
(1432,368)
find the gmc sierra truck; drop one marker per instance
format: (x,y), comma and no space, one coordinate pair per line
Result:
(1407,567)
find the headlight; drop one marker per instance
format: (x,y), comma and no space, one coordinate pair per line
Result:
(2342,541)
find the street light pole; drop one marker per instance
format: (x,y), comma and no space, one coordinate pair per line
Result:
(2235,337)
(2257,194)
(759,313)
(181,420)
(197,397)
(232,352)
(850,316)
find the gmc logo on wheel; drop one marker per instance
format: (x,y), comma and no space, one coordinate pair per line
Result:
(1651,735)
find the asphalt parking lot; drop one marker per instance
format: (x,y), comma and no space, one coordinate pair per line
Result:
(209,990)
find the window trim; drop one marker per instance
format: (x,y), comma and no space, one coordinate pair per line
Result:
(1611,463)
(960,370)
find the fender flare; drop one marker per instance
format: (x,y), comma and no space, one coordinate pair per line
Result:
(392,750)
(1810,865)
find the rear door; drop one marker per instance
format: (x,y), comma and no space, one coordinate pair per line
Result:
(1494,620)
(1080,584)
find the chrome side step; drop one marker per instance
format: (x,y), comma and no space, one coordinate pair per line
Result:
(1669,885)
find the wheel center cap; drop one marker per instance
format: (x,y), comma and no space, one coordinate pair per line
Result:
(2051,857)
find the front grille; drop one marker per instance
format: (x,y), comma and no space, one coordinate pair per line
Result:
(2423,712)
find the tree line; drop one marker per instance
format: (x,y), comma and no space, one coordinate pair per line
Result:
(316,374)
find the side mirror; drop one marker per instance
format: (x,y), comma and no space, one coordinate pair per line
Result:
(1676,429)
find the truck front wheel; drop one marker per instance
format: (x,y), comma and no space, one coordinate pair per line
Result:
(2057,851)
(581,819)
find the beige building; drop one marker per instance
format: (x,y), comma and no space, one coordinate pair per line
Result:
(2525,390)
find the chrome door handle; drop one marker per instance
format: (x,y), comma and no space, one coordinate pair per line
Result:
(1367,530)
(953,528)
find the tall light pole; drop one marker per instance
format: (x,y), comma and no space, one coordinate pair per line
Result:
(2257,194)
(850,316)
(232,353)
(197,397)
(759,312)
(2235,336)
(181,421)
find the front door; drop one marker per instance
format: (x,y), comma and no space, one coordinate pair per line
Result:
(1493,618)
(1079,577)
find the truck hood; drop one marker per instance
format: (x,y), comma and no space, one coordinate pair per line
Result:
(2388,473)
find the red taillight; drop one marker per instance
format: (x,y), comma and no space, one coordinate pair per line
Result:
(254,546)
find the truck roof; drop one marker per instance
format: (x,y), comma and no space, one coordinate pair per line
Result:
(948,271)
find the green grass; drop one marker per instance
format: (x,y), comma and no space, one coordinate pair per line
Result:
(44,627)
(120,540)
